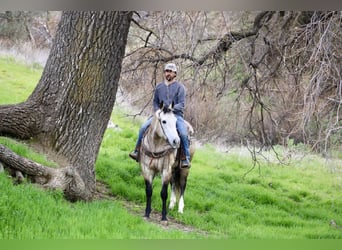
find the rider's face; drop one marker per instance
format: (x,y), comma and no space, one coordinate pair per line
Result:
(169,75)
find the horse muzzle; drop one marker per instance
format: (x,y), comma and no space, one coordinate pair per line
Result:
(175,143)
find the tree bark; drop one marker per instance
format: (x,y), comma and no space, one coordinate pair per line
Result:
(69,110)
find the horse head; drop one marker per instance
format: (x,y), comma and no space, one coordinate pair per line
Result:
(167,125)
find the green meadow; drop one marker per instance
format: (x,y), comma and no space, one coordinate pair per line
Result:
(227,196)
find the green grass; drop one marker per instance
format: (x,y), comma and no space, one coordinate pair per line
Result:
(30,213)
(16,80)
(294,201)
(23,149)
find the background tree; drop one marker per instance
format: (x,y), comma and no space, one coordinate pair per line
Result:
(35,27)
(69,110)
(261,78)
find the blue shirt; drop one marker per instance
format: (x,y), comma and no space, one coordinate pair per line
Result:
(174,92)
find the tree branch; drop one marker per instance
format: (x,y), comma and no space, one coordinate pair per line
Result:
(150,32)
(20,120)
(225,43)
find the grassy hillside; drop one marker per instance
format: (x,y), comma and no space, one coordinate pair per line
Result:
(224,199)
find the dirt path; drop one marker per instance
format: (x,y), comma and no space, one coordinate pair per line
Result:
(103,192)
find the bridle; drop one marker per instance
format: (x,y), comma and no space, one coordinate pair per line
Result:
(159,154)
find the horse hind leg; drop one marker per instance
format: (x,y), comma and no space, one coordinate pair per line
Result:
(181,204)
(173,198)
(175,186)
(177,191)
(181,196)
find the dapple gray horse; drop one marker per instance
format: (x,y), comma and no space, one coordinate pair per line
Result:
(158,154)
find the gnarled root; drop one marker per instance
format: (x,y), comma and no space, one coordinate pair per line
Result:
(66,179)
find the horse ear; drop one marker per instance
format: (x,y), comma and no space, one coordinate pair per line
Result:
(171,106)
(161,105)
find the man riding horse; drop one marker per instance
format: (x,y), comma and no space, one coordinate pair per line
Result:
(169,91)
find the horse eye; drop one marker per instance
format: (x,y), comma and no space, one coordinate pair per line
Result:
(164,122)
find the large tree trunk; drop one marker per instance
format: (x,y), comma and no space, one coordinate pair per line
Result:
(70,108)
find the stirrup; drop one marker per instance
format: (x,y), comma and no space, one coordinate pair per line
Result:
(185,164)
(134,155)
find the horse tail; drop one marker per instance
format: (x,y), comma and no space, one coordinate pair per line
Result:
(179,179)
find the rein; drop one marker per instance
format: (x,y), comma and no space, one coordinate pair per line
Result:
(159,154)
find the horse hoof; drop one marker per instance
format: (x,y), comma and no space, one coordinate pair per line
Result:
(164,222)
(146,217)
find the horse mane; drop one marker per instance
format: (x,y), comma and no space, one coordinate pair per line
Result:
(166,109)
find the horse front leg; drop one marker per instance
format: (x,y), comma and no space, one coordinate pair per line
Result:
(148,190)
(163,195)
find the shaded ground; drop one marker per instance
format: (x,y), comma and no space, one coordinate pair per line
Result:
(103,192)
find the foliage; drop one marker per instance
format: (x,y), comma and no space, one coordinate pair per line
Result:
(259,77)
(14,24)
(23,149)
(30,213)
(16,80)
(301,200)
(282,202)
(37,27)
(284,67)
